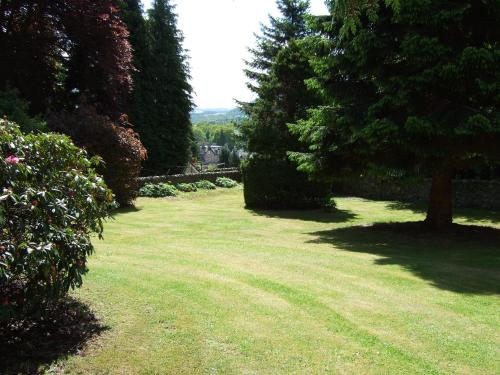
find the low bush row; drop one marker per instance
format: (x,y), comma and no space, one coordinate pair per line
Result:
(205,185)
(169,190)
(225,182)
(158,191)
(186,188)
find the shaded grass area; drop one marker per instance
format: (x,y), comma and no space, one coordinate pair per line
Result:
(320,216)
(464,258)
(30,344)
(468,215)
(199,285)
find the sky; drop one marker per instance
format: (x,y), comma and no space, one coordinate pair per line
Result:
(217,34)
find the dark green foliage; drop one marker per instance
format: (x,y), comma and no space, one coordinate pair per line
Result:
(225,155)
(225,182)
(204,185)
(139,99)
(351,11)
(489,170)
(417,89)
(187,188)
(51,202)
(62,56)
(278,74)
(276,184)
(24,52)
(17,110)
(330,205)
(158,191)
(164,123)
(223,134)
(223,139)
(234,159)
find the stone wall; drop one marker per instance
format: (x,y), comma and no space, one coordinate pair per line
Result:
(234,174)
(467,193)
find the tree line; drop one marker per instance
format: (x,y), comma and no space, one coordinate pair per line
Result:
(411,85)
(102,71)
(161,102)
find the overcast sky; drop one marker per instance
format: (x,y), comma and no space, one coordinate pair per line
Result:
(217,34)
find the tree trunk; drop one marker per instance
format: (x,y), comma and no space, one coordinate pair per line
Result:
(440,210)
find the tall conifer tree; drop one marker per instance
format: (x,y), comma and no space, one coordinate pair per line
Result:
(131,12)
(167,132)
(277,75)
(414,89)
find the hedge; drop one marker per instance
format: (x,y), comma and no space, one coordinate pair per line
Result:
(276,184)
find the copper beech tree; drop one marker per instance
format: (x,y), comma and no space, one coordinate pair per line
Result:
(59,54)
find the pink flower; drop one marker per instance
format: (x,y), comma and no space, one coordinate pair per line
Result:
(12,159)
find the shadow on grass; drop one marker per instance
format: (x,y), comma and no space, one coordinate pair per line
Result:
(320,216)
(464,259)
(470,215)
(30,344)
(124,210)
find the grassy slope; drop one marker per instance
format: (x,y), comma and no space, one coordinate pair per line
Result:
(200,285)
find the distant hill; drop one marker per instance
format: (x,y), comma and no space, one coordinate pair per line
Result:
(216,115)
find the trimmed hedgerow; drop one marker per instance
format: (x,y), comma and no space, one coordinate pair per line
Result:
(276,184)
(225,182)
(51,202)
(205,185)
(158,191)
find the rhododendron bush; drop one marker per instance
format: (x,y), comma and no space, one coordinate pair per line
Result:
(51,202)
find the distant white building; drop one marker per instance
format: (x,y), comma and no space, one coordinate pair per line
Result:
(210,154)
(242,154)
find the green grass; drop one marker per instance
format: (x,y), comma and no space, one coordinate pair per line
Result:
(199,285)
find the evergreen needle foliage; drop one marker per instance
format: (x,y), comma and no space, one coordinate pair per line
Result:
(414,87)
(278,73)
(160,102)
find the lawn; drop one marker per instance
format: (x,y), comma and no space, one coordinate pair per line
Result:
(199,285)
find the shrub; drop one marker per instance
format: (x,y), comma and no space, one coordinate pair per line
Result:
(225,182)
(16,110)
(276,184)
(158,191)
(187,188)
(205,185)
(51,201)
(115,142)
(330,205)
